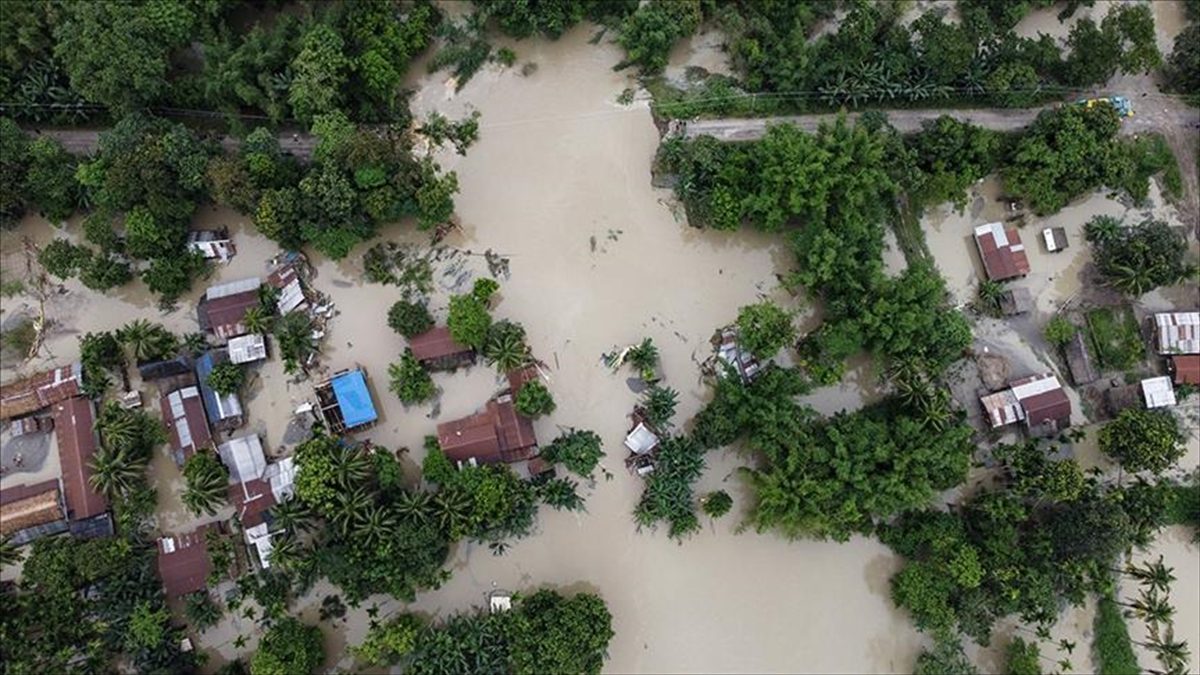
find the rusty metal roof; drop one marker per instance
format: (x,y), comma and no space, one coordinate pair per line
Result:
(74,423)
(183,563)
(436,343)
(42,390)
(496,434)
(1002,252)
(1187,369)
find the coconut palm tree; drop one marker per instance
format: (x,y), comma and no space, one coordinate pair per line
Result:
(1172,654)
(1102,230)
(207,482)
(453,509)
(195,343)
(644,358)
(115,472)
(414,505)
(350,507)
(1154,575)
(659,405)
(505,347)
(293,332)
(989,296)
(285,552)
(374,525)
(294,515)
(137,336)
(350,468)
(1150,607)
(257,320)
(9,553)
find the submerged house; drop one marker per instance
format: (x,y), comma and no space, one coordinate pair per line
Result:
(224,412)
(345,401)
(247,348)
(160,370)
(1038,400)
(28,512)
(1079,360)
(1014,301)
(493,435)
(1002,252)
(731,355)
(254,487)
(87,509)
(36,392)
(641,442)
(222,310)
(1177,332)
(286,280)
(183,563)
(187,425)
(212,244)
(437,350)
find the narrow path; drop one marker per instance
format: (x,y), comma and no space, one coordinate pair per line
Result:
(85,141)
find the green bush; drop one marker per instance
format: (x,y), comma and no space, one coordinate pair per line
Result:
(718,503)
(409,381)
(534,400)
(226,378)
(1111,645)
(409,318)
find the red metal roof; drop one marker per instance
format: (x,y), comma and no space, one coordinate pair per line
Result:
(183,563)
(1047,403)
(187,425)
(251,499)
(1002,252)
(436,343)
(517,378)
(74,423)
(496,434)
(42,390)
(1187,368)
(16,493)
(223,316)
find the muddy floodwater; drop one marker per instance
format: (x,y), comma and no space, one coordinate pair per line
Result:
(559,183)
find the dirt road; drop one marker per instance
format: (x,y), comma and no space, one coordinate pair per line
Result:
(85,141)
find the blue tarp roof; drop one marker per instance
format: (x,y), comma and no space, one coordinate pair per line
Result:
(350,390)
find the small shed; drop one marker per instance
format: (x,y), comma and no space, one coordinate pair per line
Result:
(247,348)
(212,244)
(345,401)
(436,349)
(732,355)
(1055,238)
(1157,392)
(641,440)
(1177,332)
(1185,368)
(187,425)
(1002,252)
(1079,360)
(1015,301)
(286,279)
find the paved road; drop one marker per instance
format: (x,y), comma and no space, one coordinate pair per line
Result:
(84,141)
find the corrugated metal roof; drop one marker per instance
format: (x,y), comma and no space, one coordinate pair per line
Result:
(1043,399)
(183,411)
(1002,408)
(183,562)
(436,343)
(41,390)
(232,288)
(1178,332)
(1002,252)
(247,348)
(1187,368)
(1157,392)
(74,424)
(244,457)
(641,440)
(218,407)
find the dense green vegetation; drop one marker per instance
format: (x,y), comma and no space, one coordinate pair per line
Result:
(543,632)
(288,648)
(1112,646)
(534,400)
(409,318)
(1114,337)
(207,480)
(1138,259)
(578,450)
(764,329)
(1182,69)
(409,381)
(89,604)
(875,59)
(1143,440)
(1044,535)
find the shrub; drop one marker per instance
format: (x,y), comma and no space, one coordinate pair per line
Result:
(1059,331)
(579,450)
(534,400)
(718,503)
(226,378)
(409,381)
(409,318)
(764,329)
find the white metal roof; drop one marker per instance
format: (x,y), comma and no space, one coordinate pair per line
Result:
(247,348)
(1158,392)
(1178,332)
(1002,408)
(282,477)
(1041,385)
(996,230)
(641,440)
(260,537)
(244,457)
(232,288)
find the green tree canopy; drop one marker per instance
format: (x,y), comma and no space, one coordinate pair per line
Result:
(1143,440)
(764,329)
(288,648)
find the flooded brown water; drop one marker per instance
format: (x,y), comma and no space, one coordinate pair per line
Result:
(560,183)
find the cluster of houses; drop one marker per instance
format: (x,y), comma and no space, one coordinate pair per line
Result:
(1041,405)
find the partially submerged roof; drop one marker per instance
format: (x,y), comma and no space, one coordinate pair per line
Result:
(1079,360)
(74,422)
(1055,238)
(291,292)
(281,476)
(224,306)
(251,500)
(1043,399)
(1186,368)
(1157,392)
(496,434)
(187,425)
(183,562)
(518,377)
(1002,252)
(436,343)
(244,457)
(159,370)
(641,440)
(42,390)
(353,398)
(259,536)
(1178,332)
(218,407)
(29,508)
(247,348)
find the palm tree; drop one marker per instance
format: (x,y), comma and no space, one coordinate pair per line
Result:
(206,484)
(1102,229)
(1151,608)
(659,405)
(644,356)
(257,320)
(989,296)
(453,507)
(375,524)
(294,515)
(9,553)
(415,505)
(136,335)
(115,472)
(118,430)
(285,552)
(505,347)
(195,343)
(350,468)
(1172,654)
(293,332)
(350,507)
(1154,575)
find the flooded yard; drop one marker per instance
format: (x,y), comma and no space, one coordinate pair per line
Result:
(559,183)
